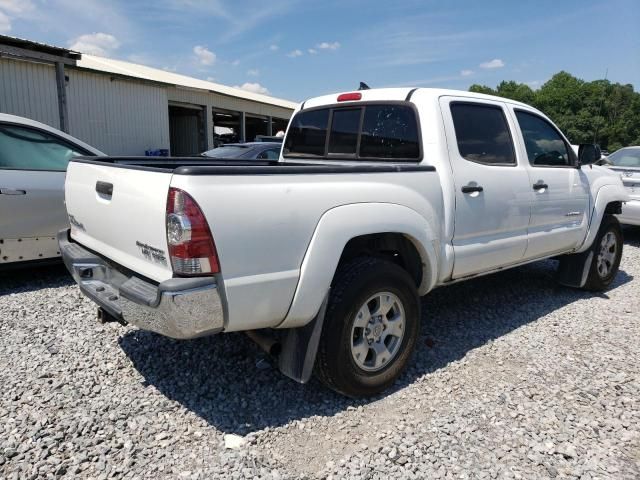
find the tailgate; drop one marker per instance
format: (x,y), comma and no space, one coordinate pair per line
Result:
(120,212)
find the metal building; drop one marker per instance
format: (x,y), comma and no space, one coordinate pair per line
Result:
(123,108)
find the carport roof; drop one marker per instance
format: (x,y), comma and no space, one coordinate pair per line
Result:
(21,47)
(120,67)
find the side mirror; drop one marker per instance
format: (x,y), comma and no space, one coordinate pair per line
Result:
(588,154)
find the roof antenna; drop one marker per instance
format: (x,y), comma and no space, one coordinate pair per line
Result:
(364,86)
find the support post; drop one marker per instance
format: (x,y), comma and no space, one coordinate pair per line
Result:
(62,97)
(270,125)
(243,127)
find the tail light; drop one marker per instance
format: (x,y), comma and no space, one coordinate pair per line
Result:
(191,245)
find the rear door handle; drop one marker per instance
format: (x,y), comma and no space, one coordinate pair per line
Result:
(540,186)
(104,188)
(472,188)
(12,191)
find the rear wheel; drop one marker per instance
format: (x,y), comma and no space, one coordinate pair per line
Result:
(607,252)
(370,329)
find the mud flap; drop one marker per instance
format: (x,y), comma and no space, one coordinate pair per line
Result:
(300,346)
(574,269)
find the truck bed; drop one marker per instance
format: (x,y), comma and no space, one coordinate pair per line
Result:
(263,216)
(223,166)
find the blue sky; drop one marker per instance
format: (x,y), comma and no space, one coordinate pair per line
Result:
(297,49)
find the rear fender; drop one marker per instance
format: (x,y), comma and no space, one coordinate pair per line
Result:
(339,225)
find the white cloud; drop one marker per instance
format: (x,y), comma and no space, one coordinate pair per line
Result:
(253,72)
(312,51)
(295,53)
(9,9)
(212,79)
(101,44)
(204,55)
(235,63)
(5,23)
(273,48)
(495,63)
(16,6)
(328,45)
(466,73)
(253,87)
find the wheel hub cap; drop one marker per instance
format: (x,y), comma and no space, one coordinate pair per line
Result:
(606,254)
(377,331)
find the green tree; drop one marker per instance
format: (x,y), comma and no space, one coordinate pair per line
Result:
(601,110)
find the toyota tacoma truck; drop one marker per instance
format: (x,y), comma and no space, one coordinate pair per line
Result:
(379,196)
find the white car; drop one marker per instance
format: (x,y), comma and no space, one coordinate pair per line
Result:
(379,197)
(33,160)
(626,161)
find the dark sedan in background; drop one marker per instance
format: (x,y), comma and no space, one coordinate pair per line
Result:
(247,151)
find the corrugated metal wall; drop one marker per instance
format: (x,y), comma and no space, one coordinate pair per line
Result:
(29,90)
(116,115)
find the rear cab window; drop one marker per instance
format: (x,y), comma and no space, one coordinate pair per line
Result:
(368,131)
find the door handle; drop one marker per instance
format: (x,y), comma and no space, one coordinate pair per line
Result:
(540,186)
(472,188)
(104,188)
(12,191)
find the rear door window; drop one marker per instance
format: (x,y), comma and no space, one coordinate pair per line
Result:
(367,132)
(24,148)
(482,133)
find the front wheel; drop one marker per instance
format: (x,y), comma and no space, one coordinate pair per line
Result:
(607,252)
(371,327)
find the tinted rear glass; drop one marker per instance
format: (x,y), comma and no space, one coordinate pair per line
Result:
(388,132)
(482,133)
(307,133)
(344,131)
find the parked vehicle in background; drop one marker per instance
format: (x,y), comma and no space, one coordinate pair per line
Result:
(270,138)
(379,196)
(626,161)
(246,151)
(33,160)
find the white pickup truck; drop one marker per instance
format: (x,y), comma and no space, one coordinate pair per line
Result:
(379,197)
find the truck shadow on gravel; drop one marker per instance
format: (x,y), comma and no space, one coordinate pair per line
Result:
(30,279)
(631,236)
(217,377)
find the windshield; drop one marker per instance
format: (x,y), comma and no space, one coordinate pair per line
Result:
(227,151)
(625,157)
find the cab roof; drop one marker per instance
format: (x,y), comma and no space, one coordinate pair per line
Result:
(401,94)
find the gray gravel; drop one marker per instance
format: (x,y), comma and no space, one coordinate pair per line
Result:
(514,377)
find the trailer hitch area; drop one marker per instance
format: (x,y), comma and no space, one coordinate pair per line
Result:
(106,317)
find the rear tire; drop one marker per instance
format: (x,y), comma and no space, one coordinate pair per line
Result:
(371,327)
(607,252)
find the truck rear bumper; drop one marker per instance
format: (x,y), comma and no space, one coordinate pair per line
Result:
(178,308)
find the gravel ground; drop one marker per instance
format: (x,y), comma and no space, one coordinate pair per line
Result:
(514,377)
